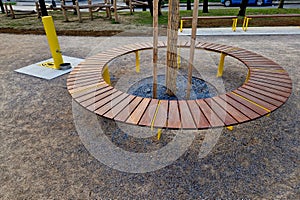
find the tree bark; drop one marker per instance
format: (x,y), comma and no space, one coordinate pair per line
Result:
(171,68)
(205,6)
(243,8)
(192,48)
(281,3)
(155,47)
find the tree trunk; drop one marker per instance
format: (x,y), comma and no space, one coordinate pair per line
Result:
(205,6)
(150,5)
(192,48)
(2,8)
(43,8)
(281,3)
(243,7)
(171,68)
(155,47)
(188,5)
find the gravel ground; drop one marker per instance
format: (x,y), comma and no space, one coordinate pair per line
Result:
(43,157)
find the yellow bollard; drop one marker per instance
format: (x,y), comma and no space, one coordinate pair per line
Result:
(137,61)
(106,75)
(230,128)
(52,41)
(221,65)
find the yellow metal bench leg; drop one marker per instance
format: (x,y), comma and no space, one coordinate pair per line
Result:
(137,61)
(248,76)
(245,23)
(106,75)
(234,24)
(230,128)
(181,25)
(221,65)
(159,134)
(53,41)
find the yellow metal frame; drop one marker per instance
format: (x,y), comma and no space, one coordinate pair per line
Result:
(221,65)
(181,25)
(234,24)
(106,75)
(52,41)
(137,61)
(246,23)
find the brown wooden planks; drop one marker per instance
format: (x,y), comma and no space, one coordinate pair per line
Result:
(221,113)
(161,117)
(128,109)
(257,109)
(241,105)
(174,115)
(271,88)
(234,112)
(111,104)
(256,100)
(136,115)
(149,113)
(93,100)
(275,96)
(92,93)
(209,114)
(187,120)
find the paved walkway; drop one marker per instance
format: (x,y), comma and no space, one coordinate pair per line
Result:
(284,30)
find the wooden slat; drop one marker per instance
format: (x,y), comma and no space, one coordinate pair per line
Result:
(275,96)
(136,115)
(97,98)
(78,77)
(267,86)
(148,115)
(83,81)
(274,75)
(235,113)
(111,104)
(161,117)
(210,115)
(103,101)
(187,120)
(93,93)
(279,80)
(174,115)
(275,83)
(128,109)
(241,107)
(84,84)
(263,97)
(119,107)
(256,100)
(222,114)
(253,107)
(200,120)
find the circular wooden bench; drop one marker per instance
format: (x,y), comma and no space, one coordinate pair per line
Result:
(267,87)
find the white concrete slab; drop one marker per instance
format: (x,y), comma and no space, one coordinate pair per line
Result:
(47,73)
